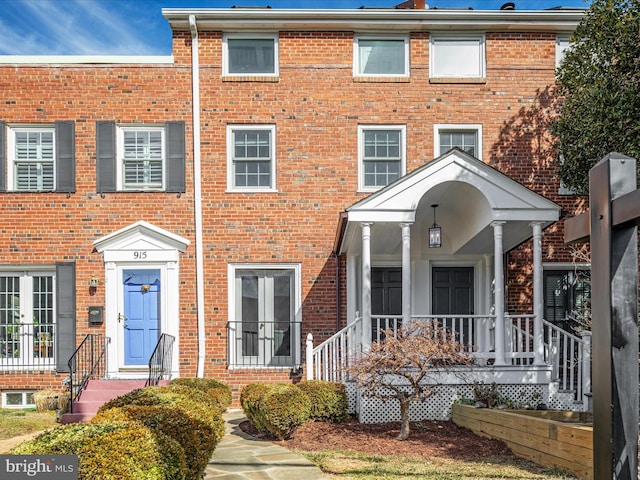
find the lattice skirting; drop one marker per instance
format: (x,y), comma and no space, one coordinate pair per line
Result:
(438,405)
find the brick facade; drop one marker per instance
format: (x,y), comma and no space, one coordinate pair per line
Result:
(316,106)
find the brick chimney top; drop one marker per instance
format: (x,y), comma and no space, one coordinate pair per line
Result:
(413,5)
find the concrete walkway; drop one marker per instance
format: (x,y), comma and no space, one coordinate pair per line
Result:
(241,456)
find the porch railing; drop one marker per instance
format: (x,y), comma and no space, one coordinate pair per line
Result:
(88,362)
(566,353)
(27,346)
(161,360)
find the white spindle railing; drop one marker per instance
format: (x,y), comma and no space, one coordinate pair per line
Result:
(568,354)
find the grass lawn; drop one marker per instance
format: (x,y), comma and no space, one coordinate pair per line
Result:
(348,465)
(14,423)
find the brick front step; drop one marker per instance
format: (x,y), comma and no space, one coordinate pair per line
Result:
(97,393)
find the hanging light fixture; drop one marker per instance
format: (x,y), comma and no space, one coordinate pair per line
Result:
(435,232)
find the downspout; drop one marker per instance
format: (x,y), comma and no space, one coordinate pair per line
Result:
(197,192)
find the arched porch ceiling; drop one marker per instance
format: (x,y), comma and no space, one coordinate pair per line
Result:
(470,196)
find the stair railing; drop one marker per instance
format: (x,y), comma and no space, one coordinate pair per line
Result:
(161,360)
(89,361)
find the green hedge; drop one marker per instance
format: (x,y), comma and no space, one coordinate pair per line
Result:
(112,450)
(219,392)
(329,401)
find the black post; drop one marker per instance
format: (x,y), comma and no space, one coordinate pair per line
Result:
(614,311)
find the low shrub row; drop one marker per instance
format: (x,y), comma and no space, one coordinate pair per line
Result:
(152,433)
(278,409)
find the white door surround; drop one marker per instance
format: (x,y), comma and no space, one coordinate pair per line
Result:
(140,246)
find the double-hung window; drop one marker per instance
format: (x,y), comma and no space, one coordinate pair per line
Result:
(245,54)
(563,43)
(465,137)
(251,157)
(141,156)
(567,296)
(380,56)
(37,158)
(264,323)
(457,56)
(381,149)
(27,319)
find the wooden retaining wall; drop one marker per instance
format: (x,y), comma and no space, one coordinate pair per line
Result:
(549,438)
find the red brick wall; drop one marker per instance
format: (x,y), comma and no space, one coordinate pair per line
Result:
(316,106)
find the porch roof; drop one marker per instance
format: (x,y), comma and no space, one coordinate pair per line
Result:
(470,196)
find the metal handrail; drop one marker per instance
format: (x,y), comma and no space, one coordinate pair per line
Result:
(161,360)
(89,361)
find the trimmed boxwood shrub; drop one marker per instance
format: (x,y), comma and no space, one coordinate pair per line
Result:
(217,390)
(250,397)
(198,442)
(328,400)
(118,450)
(192,402)
(283,409)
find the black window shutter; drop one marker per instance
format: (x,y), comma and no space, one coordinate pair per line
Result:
(3,158)
(106,156)
(176,162)
(65,157)
(65,314)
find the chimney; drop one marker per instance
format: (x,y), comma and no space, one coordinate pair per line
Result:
(413,5)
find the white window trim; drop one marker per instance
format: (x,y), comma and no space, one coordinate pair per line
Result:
(25,394)
(120,155)
(250,36)
(458,127)
(356,55)
(482,51)
(11,153)
(232,268)
(403,152)
(230,180)
(562,44)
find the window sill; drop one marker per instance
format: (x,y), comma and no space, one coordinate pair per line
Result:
(381,79)
(458,80)
(252,190)
(251,78)
(279,368)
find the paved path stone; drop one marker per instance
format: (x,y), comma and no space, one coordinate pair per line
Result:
(239,456)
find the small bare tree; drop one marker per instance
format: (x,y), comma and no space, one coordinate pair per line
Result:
(399,367)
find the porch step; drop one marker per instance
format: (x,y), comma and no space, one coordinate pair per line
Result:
(97,393)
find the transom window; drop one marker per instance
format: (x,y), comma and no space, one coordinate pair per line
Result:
(251,157)
(381,56)
(32,151)
(264,327)
(250,55)
(457,56)
(141,156)
(381,152)
(465,137)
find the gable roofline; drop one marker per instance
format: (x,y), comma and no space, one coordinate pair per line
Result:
(380,20)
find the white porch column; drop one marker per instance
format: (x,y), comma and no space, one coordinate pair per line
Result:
(406,273)
(538,343)
(499,292)
(366,285)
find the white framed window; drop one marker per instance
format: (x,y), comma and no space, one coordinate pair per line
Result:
(264,315)
(250,54)
(457,56)
(380,56)
(140,157)
(32,153)
(251,157)
(18,399)
(381,154)
(27,319)
(562,44)
(567,294)
(467,137)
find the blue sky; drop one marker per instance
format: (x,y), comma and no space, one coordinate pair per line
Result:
(136,27)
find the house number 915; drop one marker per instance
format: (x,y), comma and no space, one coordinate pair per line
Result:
(139,255)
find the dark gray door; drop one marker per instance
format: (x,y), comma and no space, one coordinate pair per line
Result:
(452,291)
(386,298)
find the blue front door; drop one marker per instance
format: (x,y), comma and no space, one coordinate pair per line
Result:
(141,314)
